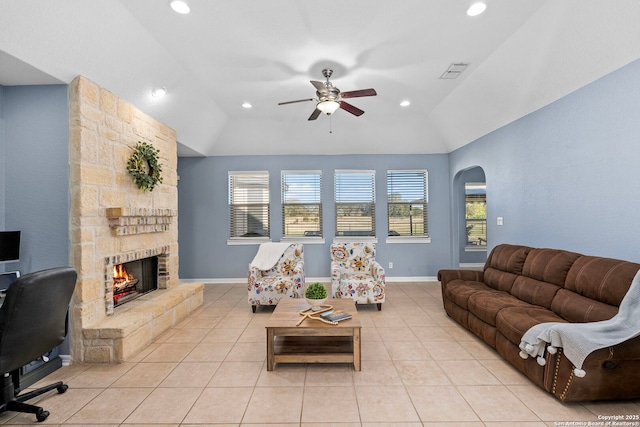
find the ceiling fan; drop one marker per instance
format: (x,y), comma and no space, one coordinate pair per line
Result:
(329,98)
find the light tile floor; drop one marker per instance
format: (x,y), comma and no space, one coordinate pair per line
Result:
(419,368)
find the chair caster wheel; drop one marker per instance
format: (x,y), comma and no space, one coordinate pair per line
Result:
(61,389)
(42,415)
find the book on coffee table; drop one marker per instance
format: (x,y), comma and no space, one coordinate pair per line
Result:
(335,315)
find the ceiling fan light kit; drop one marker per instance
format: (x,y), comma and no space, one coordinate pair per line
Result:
(328,107)
(329,98)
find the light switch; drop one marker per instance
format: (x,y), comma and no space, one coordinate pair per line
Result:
(500,221)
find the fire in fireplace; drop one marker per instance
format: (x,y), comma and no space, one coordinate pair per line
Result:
(133,279)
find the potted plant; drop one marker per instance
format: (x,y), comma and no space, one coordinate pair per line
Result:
(315,294)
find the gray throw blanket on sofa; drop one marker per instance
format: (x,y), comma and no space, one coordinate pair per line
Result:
(580,339)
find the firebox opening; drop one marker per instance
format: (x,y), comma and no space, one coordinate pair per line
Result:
(133,279)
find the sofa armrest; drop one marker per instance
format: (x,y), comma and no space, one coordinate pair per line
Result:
(253,275)
(298,270)
(335,271)
(446,276)
(255,272)
(377,271)
(611,373)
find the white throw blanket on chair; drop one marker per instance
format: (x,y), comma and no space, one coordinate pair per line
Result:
(580,339)
(268,255)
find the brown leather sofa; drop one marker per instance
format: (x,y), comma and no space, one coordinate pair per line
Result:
(521,287)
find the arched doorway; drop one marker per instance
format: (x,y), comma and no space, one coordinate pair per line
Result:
(469,218)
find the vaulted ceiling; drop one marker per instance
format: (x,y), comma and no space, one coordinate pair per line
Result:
(522,55)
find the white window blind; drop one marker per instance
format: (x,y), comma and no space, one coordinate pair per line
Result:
(407,198)
(249,204)
(355,203)
(301,203)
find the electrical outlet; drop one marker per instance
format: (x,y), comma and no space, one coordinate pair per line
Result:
(390,264)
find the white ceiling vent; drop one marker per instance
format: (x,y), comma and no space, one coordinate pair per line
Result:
(454,70)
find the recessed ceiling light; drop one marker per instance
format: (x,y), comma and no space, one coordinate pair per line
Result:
(159,92)
(476,9)
(246,105)
(405,103)
(180,6)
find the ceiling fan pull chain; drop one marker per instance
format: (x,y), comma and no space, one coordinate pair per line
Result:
(330,123)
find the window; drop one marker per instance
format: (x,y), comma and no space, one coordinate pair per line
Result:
(355,203)
(475,195)
(301,204)
(407,199)
(249,204)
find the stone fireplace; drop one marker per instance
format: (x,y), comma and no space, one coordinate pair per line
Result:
(113,222)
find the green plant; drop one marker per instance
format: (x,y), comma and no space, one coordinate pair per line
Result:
(143,166)
(316,290)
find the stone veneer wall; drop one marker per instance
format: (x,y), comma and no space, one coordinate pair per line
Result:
(103,131)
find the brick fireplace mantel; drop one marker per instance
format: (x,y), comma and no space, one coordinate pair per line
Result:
(126,221)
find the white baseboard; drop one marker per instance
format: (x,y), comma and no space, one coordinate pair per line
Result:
(398,279)
(405,279)
(215,281)
(472,265)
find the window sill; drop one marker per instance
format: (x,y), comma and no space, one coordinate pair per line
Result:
(408,239)
(475,248)
(308,240)
(248,241)
(348,239)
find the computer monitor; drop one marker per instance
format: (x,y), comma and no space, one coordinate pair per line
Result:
(9,246)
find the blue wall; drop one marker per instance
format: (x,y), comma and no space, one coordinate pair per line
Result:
(203,224)
(2,162)
(36,173)
(567,176)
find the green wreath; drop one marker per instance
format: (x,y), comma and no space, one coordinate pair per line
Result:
(143,166)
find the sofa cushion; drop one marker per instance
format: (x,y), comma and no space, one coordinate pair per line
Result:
(513,322)
(576,308)
(486,332)
(499,280)
(603,279)
(509,258)
(534,291)
(503,266)
(459,291)
(486,304)
(549,265)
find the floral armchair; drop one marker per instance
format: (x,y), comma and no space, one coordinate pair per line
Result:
(284,280)
(356,274)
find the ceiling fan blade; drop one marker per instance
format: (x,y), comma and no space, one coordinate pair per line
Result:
(350,108)
(318,85)
(358,93)
(315,114)
(292,102)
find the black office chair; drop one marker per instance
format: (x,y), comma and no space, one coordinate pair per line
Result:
(33,321)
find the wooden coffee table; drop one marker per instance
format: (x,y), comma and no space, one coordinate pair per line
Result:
(313,341)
